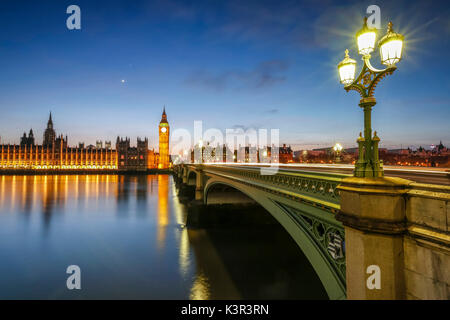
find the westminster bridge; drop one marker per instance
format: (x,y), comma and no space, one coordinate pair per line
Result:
(366,238)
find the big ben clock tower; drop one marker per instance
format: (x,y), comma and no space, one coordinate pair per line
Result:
(164,129)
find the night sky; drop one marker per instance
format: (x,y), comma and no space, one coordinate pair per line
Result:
(231,64)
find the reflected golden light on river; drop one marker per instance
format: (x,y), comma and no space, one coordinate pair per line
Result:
(55,188)
(24,191)
(13,191)
(29,192)
(86,194)
(183,259)
(97,186)
(200,288)
(35,193)
(2,191)
(44,192)
(163,210)
(66,187)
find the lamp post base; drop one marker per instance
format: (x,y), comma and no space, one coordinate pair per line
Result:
(368,170)
(369,164)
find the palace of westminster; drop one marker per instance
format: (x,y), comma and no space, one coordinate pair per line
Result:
(55,154)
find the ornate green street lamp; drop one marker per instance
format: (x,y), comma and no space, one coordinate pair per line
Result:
(337,150)
(391,45)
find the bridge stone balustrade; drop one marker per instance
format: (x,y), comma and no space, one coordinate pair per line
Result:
(401,227)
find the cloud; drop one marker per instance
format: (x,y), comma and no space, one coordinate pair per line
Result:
(312,24)
(175,9)
(270,20)
(264,75)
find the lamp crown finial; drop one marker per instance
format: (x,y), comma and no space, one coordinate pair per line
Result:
(390,27)
(346,53)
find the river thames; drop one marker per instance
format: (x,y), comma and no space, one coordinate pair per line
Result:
(128,236)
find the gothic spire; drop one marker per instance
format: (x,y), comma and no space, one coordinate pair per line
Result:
(164,115)
(50,121)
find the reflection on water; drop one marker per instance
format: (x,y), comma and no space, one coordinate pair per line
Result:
(163,211)
(127,235)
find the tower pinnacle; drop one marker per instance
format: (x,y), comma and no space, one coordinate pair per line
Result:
(50,121)
(164,116)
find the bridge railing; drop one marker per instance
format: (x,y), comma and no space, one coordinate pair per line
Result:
(316,187)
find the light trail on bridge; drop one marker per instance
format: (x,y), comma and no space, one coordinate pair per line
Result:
(417,174)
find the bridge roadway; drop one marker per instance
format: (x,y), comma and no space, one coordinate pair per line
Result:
(439,176)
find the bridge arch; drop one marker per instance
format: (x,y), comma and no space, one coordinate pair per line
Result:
(220,193)
(333,286)
(191,177)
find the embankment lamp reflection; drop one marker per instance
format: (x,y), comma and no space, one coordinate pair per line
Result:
(390,46)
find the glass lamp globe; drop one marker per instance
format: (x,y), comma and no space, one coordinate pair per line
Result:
(347,68)
(337,147)
(391,46)
(365,38)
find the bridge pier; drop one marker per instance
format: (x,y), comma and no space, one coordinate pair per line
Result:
(185,175)
(185,191)
(199,185)
(396,239)
(178,174)
(374,215)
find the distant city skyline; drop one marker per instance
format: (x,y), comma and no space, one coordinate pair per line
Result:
(39,140)
(231,64)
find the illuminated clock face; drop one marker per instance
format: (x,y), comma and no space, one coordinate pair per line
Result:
(163,130)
